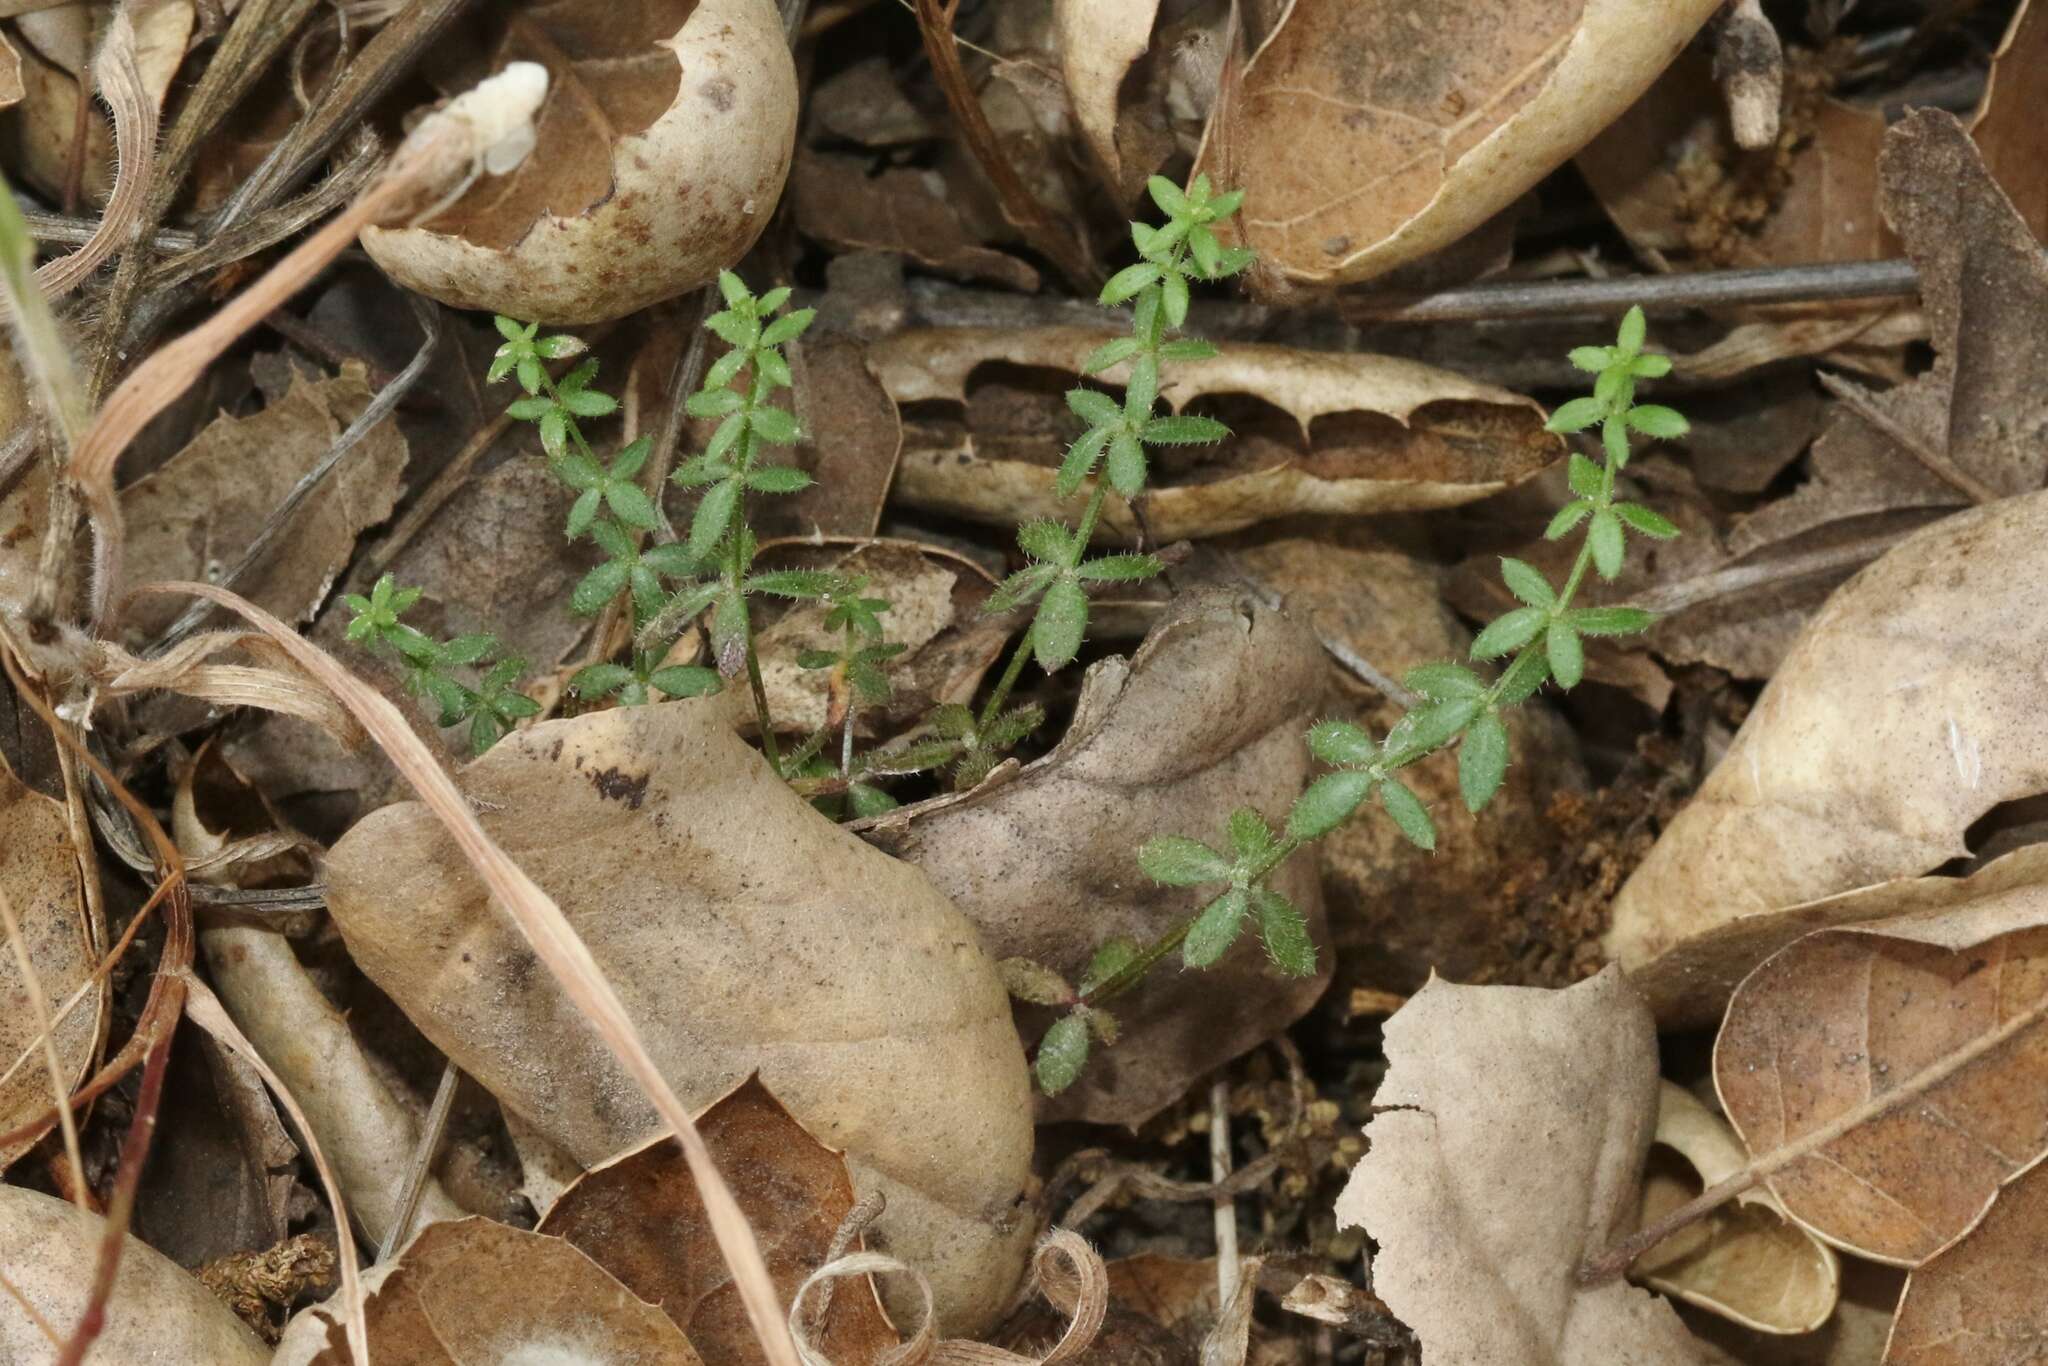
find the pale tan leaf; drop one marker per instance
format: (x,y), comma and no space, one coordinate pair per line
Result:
(1513,1145)
(1888,1078)
(1746,1261)
(41,875)
(1894,723)
(659,156)
(745,933)
(1097,44)
(639,1217)
(2006,124)
(478,1293)
(1366,135)
(158,1311)
(1206,717)
(1354,433)
(1984,1302)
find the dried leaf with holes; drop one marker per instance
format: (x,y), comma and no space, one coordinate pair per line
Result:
(1319,432)
(1892,726)
(157,1312)
(639,1217)
(41,875)
(856,991)
(1888,1078)
(196,516)
(478,1293)
(1368,135)
(1207,716)
(1509,1142)
(660,154)
(1984,1302)
(1746,1261)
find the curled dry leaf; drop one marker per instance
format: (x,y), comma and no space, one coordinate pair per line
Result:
(1746,1261)
(157,1312)
(1368,135)
(1514,1146)
(478,1293)
(1888,1078)
(659,156)
(1894,723)
(1098,45)
(194,518)
(42,878)
(639,1217)
(1984,1302)
(1352,434)
(745,933)
(1206,717)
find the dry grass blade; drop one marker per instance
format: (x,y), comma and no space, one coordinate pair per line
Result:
(47,1028)
(541,920)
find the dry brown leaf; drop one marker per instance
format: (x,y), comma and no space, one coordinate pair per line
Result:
(1519,1123)
(746,933)
(196,516)
(2006,126)
(1351,434)
(41,874)
(1855,1336)
(1098,45)
(1895,722)
(639,1217)
(1888,1078)
(903,209)
(660,154)
(1368,135)
(1688,985)
(478,1293)
(850,443)
(157,1312)
(1206,717)
(1746,1261)
(11,89)
(1984,1302)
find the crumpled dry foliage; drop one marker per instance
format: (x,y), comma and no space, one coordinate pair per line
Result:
(1917,1048)
(1746,1261)
(194,518)
(1516,1138)
(1206,716)
(157,1312)
(40,873)
(745,933)
(1984,1302)
(1891,727)
(1353,434)
(477,1293)
(639,1217)
(659,156)
(1368,135)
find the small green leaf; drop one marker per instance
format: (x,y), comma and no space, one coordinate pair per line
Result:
(1443,682)
(1251,839)
(1062,1053)
(1061,622)
(510,330)
(1046,541)
(1655,420)
(1567,654)
(713,403)
(1177,861)
(1612,621)
(773,425)
(788,327)
(530,408)
(600,680)
(687,680)
(1342,743)
(1173,298)
(1021,587)
(1576,415)
(1482,760)
(1080,460)
(714,514)
(1129,281)
(1568,516)
(631,505)
(1184,429)
(1327,803)
(1034,982)
(589,403)
(1110,959)
(1120,568)
(777,479)
(1215,929)
(1604,536)
(1409,814)
(598,587)
(1168,196)
(1427,728)
(1593,358)
(792,583)
(1285,933)
(1094,407)
(1524,677)
(1110,353)
(1527,583)
(1650,366)
(1629,336)
(1126,465)
(1587,479)
(1651,524)
(1510,632)
(1614,440)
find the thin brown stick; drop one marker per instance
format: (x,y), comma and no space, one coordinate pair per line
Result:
(32,983)
(1618,1258)
(429,1146)
(1046,234)
(554,941)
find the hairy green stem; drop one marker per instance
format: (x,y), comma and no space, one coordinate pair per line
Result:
(761,717)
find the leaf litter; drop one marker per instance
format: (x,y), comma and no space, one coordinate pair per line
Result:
(829,951)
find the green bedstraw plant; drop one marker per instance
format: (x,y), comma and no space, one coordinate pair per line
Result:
(1541,640)
(491,706)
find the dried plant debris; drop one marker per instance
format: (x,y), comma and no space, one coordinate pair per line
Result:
(854,989)
(1353,433)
